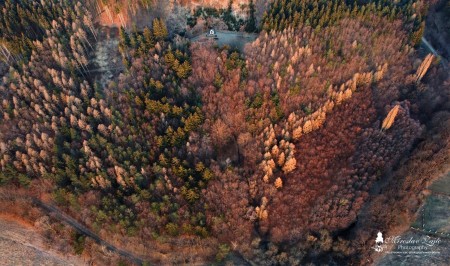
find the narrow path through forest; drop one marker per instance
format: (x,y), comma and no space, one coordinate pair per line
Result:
(63,217)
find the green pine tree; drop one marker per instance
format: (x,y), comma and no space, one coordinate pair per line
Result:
(251,22)
(148,37)
(124,37)
(159,29)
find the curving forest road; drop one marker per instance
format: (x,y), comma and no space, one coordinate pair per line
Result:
(56,213)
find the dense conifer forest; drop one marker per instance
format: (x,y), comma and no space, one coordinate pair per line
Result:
(295,150)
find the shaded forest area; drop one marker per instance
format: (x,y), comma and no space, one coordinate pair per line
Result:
(438,27)
(232,22)
(297,150)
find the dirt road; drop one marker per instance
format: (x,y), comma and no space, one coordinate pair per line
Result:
(61,216)
(56,213)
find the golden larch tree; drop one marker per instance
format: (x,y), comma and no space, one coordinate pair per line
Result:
(390,118)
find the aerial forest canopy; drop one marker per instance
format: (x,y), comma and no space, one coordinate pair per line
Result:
(319,14)
(270,153)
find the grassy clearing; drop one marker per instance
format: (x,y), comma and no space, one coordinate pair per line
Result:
(441,186)
(434,215)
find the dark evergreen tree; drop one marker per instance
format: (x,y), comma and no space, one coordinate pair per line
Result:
(251,22)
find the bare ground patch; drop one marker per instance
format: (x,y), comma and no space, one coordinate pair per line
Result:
(21,245)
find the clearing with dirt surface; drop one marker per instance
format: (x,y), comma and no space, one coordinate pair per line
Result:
(21,245)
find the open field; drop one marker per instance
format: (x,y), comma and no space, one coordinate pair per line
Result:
(21,245)
(433,222)
(435,216)
(441,186)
